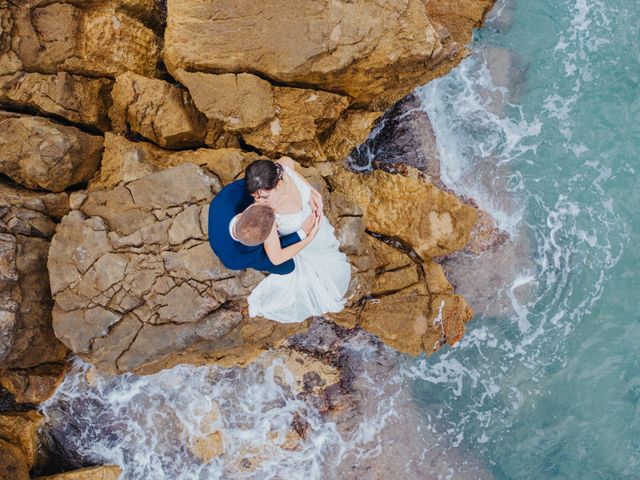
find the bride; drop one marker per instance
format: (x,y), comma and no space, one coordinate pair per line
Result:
(322,273)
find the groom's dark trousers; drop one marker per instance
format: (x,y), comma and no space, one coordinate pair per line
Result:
(232,200)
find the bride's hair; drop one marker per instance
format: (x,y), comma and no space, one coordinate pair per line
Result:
(262,175)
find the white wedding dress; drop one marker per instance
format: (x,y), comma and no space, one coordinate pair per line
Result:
(321,276)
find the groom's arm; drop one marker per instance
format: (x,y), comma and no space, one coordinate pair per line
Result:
(259,259)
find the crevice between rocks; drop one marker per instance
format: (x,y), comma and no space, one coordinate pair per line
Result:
(11,107)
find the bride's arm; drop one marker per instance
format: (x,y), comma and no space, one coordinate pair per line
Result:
(279,255)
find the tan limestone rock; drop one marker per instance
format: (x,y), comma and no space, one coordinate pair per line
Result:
(240,102)
(369,50)
(103,472)
(157,110)
(209,446)
(102,41)
(141,286)
(301,115)
(36,384)
(349,131)
(300,371)
(29,351)
(429,220)
(21,430)
(124,161)
(392,318)
(42,154)
(73,97)
(13,463)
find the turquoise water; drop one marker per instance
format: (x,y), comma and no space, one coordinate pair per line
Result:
(551,390)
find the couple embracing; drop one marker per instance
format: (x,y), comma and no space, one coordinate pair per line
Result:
(272,220)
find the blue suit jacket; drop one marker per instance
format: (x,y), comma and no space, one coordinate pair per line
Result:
(232,200)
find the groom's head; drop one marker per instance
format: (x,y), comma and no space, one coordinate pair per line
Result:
(254,225)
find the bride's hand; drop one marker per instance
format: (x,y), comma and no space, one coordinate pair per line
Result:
(316,201)
(315,228)
(308,223)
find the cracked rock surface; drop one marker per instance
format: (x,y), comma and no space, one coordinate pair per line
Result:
(30,354)
(42,154)
(89,108)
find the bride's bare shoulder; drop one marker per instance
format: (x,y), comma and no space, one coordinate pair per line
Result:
(287,162)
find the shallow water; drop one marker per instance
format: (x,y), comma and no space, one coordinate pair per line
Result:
(541,125)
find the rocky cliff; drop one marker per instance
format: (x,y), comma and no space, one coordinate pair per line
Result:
(120,121)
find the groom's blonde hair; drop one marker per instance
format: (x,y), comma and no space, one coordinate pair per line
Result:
(255,224)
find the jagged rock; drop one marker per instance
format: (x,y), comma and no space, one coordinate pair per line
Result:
(103,41)
(430,221)
(450,15)
(402,136)
(103,472)
(240,102)
(124,161)
(40,153)
(301,115)
(370,50)
(29,350)
(421,316)
(157,110)
(13,463)
(74,97)
(21,430)
(350,130)
(36,384)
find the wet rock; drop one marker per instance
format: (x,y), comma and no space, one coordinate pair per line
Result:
(430,221)
(402,136)
(208,443)
(100,41)
(42,154)
(103,472)
(75,98)
(157,110)
(350,130)
(36,384)
(301,372)
(377,50)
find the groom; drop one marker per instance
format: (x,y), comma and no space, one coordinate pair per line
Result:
(238,228)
